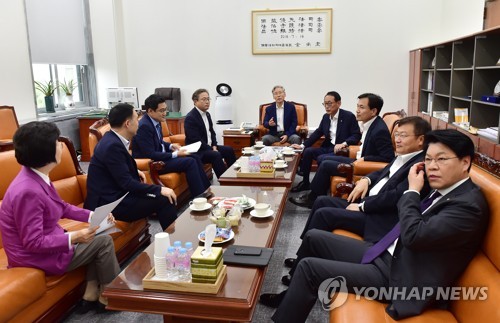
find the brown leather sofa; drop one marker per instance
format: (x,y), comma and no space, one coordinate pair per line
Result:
(301,129)
(26,294)
(8,126)
(483,271)
(175,181)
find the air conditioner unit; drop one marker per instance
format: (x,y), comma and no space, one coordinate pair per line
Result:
(117,95)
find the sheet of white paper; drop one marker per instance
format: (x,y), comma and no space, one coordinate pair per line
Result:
(192,148)
(100,216)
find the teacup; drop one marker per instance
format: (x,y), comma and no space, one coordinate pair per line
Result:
(261,208)
(248,150)
(198,203)
(259,143)
(288,150)
(279,163)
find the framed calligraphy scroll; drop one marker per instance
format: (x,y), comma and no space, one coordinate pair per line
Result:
(294,31)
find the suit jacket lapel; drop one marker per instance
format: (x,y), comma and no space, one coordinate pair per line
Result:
(157,139)
(49,189)
(465,187)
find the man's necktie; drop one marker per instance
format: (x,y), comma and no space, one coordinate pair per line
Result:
(158,131)
(384,243)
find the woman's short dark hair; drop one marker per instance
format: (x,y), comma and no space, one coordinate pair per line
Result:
(335,95)
(119,114)
(35,144)
(459,143)
(153,101)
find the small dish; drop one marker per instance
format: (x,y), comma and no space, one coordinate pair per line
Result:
(206,207)
(231,236)
(268,214)
(228,203)
(258,147)
(236,166)
(288,153)
(278,167)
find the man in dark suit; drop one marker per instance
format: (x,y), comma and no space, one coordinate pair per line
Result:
(281,120)
(429,248)
(340,129)
(113,172)
(149,143)
(198,126)
(376,213)
(376,144)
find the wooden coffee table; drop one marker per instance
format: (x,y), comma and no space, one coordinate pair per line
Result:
(238,295)
(286,179)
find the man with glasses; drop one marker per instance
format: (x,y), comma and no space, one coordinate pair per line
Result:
(281,120)
(149,143)
(370,210)
(198,126)
(340,129)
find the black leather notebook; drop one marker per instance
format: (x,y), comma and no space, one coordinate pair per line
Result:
(247,256)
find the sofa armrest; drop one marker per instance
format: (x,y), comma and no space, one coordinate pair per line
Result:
(20,288)
(178,139)
(303,131)
(362,168)
(345,188)
(154,169)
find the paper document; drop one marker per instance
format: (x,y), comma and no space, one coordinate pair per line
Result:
(192,148)
(100,217)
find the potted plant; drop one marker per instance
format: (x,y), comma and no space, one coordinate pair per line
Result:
(47,89)
(68,88)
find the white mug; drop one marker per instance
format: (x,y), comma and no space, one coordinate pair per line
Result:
(261,208)
(199,202)
(248,149)
(288,150)
(259,143)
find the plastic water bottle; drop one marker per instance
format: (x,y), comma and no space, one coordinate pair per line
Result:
(171,259)
(189,247)
(177,245)
(183,265)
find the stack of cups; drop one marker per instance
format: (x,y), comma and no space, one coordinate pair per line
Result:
(162,242)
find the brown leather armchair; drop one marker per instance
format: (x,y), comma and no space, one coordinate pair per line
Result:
(302,127)
(8,126)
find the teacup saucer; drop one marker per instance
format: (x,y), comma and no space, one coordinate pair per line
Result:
(258,147)
(236,166)
(285,165)
(268,214)
(288,153)
(206,207)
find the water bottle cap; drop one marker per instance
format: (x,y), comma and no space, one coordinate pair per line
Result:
(182,250)
(171,249)
(177,244)
(188,245)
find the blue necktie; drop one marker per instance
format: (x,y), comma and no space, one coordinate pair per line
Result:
(158,130)
(384,243)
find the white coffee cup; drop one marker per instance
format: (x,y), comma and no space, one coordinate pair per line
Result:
(279,163)
(261,208)
(248,150)
(259,143)
(198,203)
(288,150)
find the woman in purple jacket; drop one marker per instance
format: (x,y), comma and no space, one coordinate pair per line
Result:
(30,212)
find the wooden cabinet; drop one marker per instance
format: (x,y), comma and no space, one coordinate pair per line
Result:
(457,74)
(238,142)
(84,122)
(175,123)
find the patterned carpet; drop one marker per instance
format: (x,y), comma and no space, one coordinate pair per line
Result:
(286,245)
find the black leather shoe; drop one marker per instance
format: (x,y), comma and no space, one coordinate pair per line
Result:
(100,308)
(272,300)
(290,262)
(85,306)
(302,200)
(302,186)
(286,280)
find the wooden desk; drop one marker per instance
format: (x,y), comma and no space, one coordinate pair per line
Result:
(238,142)
(175,123)
(84,122)
(237,298)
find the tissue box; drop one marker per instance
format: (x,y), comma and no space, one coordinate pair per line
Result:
(206,269)
(266,166)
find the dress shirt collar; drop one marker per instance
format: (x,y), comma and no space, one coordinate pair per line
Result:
(280,107)
(335,116)
(364,126)
(452,187)
(407,157)
(124,141)
(155,123)
(202,113)
(45,178)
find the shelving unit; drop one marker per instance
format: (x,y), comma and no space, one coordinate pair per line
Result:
(457,74)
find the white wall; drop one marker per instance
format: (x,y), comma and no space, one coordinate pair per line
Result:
(16,81)
(197,43)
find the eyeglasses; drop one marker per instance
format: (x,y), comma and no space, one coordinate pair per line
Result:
(403,135)
(162,110)
(205,99)
(440,161)
(327,104)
